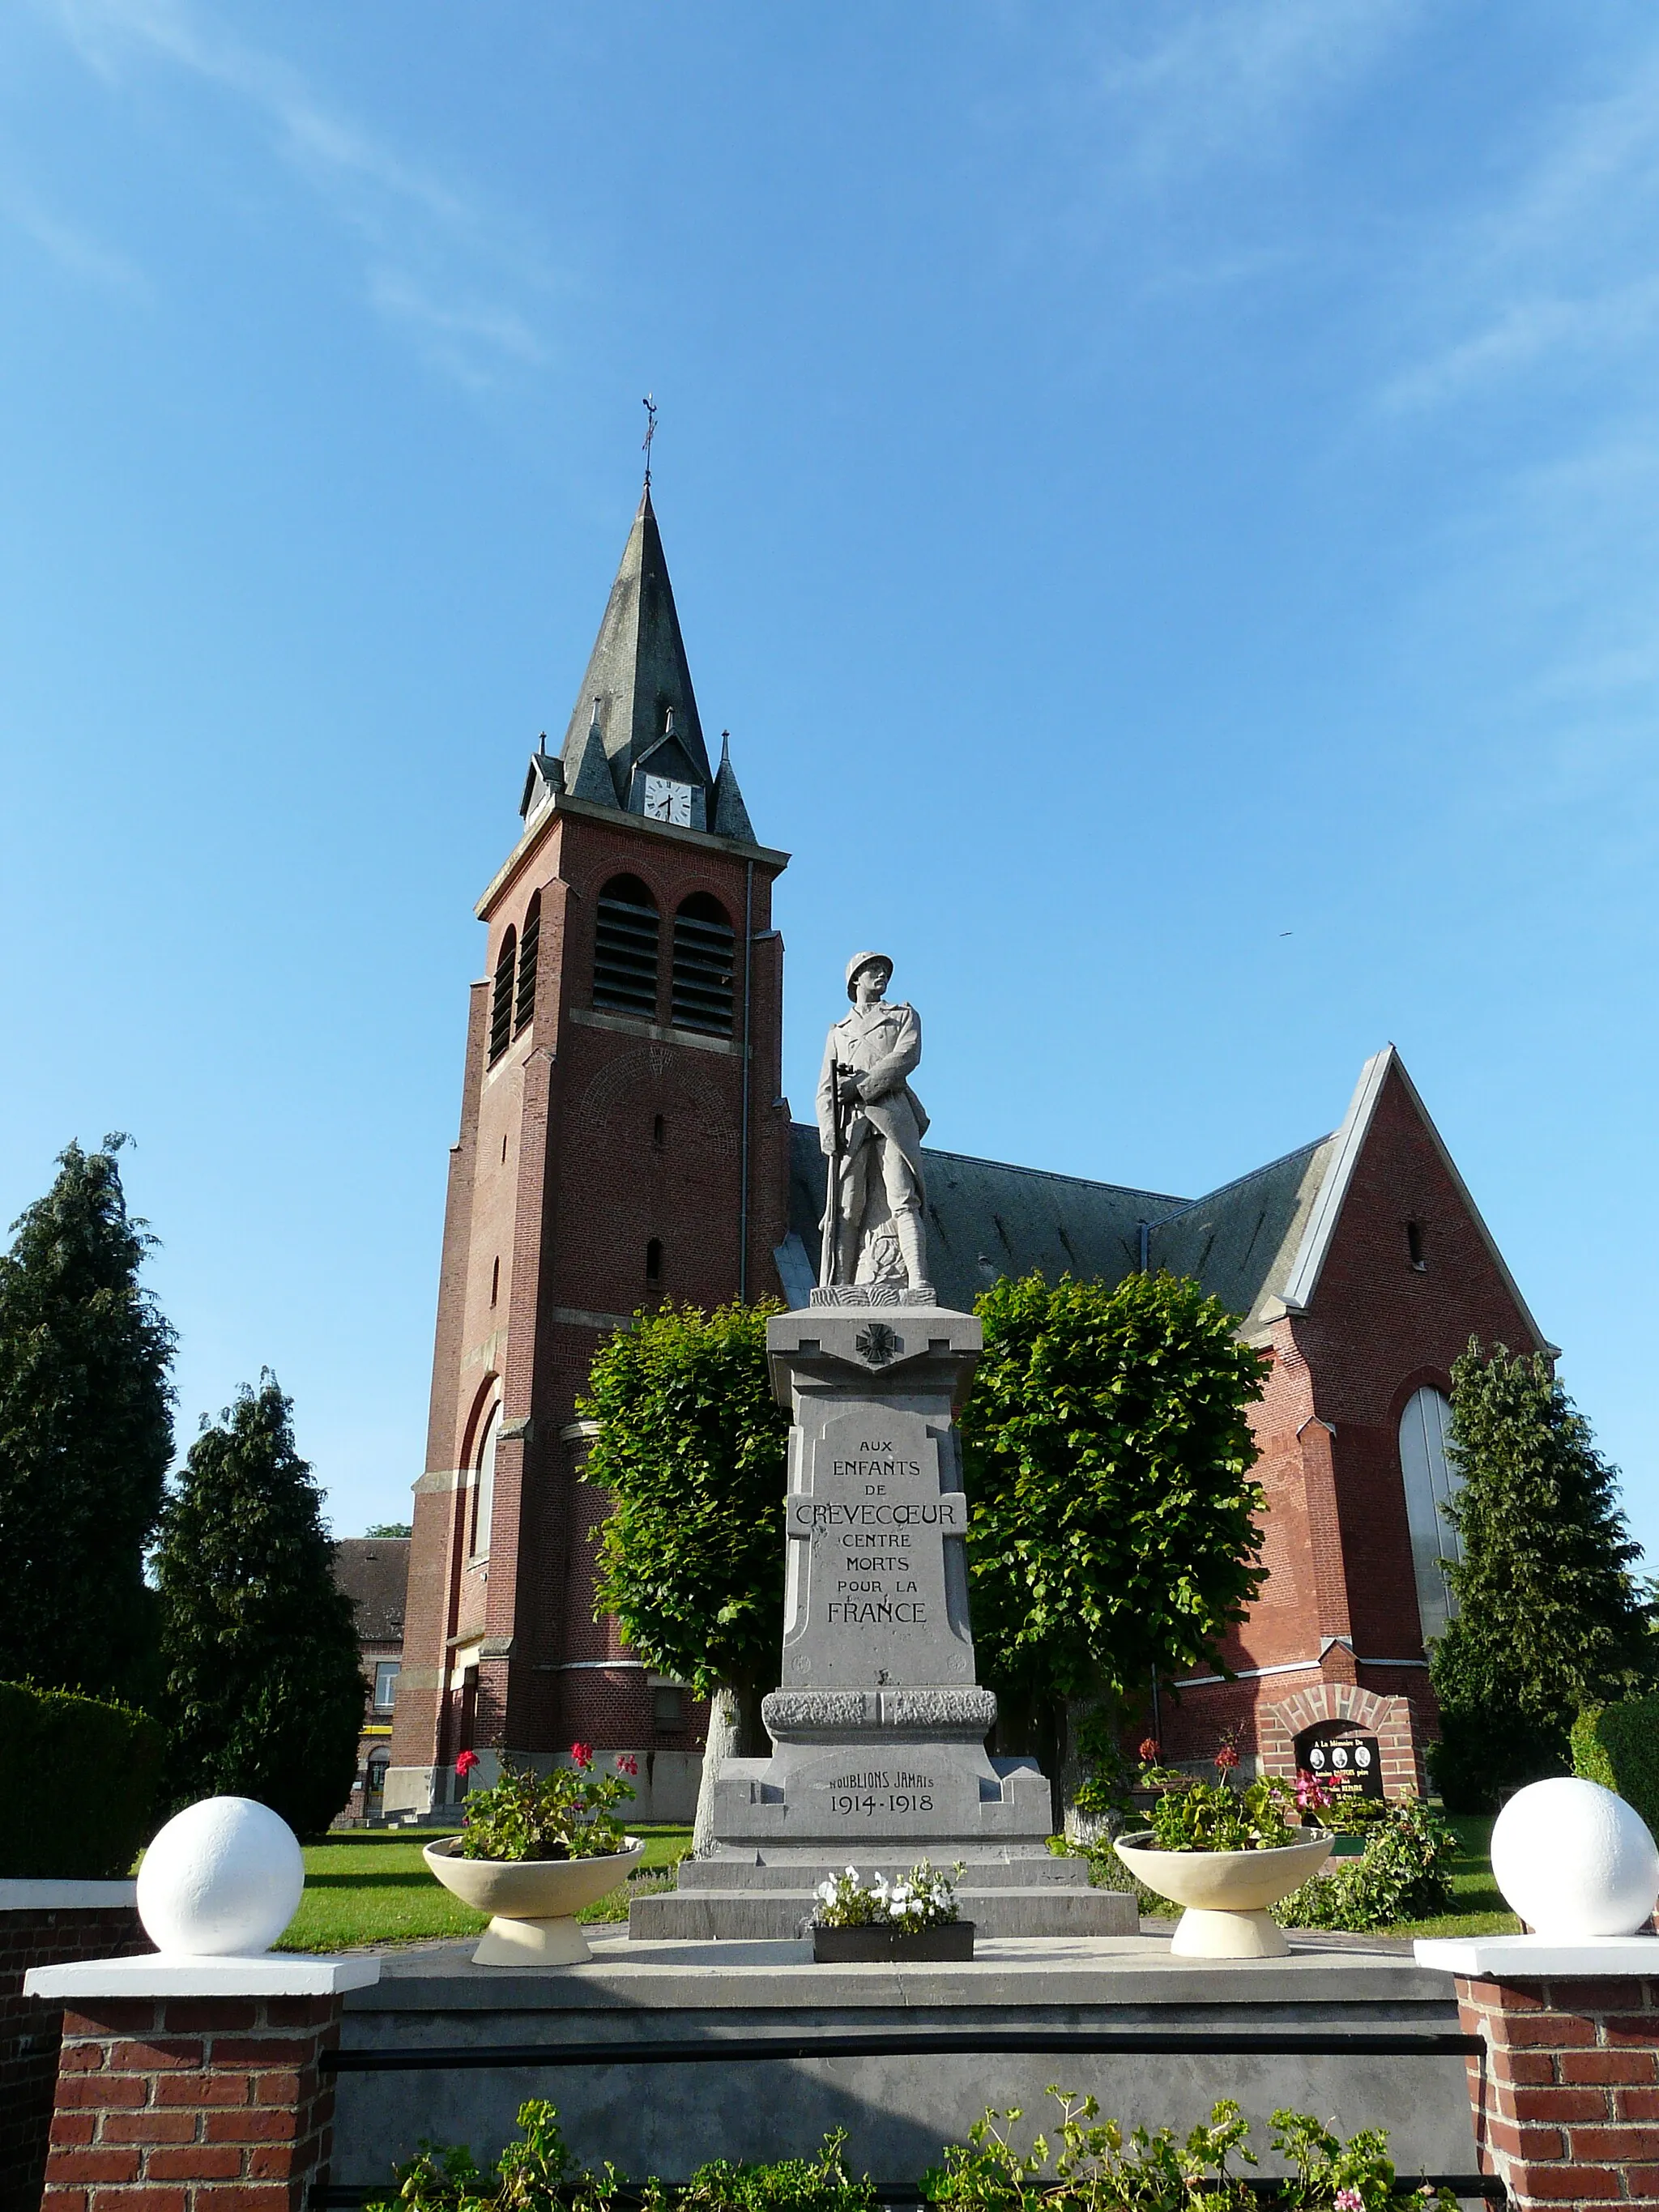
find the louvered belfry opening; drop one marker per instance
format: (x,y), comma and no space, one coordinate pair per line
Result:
(501,1001)
(703,947)
(530,938)
(625,949)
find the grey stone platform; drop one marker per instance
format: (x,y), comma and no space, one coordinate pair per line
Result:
(766,1896)
(898,2111)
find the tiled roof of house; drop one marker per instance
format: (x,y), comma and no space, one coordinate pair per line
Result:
(375,1571)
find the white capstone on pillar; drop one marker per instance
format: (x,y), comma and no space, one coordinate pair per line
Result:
(200,2061)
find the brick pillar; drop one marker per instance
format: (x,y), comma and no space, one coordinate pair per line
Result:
(45,1923)
(1566,2097)
(187,2083)
(179,2103)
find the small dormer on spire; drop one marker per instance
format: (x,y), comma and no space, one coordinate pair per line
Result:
(728,816)
(545,776)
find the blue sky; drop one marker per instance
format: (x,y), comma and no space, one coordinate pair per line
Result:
(1138,481)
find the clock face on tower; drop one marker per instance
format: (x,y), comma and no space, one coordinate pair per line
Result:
(667,801)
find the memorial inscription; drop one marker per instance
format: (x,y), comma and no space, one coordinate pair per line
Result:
(871,1580)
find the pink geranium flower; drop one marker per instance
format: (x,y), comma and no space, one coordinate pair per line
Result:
(1148,1750)
(1349,2200)
(581,1755)
(1226,1758)
(626,1763)
(465,1763)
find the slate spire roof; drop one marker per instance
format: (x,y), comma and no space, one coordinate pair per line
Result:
(637,677)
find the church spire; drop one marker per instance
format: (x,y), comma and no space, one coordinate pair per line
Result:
(637,675)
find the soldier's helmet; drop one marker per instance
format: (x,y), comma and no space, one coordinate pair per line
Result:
(864,960)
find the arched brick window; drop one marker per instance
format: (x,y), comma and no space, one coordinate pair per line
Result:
(530,938)
(1430,1477)
(483,1485)
(704,945)
(500,998)
(625,949)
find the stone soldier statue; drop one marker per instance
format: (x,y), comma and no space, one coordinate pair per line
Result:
(870,1124)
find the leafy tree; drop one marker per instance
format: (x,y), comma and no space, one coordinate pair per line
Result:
(86,1435)
(265,1691)
(691,1447)
(1549,1617)
(1113,1524)
(389,1529)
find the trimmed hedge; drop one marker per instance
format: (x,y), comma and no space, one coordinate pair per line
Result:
(98,1767)
(1618,1745)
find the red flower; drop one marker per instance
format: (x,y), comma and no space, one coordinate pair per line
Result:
(581,1755)
(1149,1751)
(626,1763)
(1226,1758)
(465,1763)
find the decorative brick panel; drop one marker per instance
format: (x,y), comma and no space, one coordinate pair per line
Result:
(29,2028)
(1566,2097)
(181,2104)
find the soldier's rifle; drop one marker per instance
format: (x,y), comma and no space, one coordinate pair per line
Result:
(832,1203)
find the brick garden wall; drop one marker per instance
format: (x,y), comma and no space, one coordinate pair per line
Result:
(1567,2101)
(29,2028)
(184,2103)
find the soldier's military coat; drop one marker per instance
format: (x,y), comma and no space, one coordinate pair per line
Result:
(884,1043)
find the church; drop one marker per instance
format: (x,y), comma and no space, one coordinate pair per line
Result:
(623,1139)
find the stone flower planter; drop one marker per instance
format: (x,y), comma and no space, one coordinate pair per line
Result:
(837,1947)
(531,1903)
(1226,1893)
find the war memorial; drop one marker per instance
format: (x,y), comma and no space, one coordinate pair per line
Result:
(201,2066)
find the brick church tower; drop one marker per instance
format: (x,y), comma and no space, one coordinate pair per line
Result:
(622,1140)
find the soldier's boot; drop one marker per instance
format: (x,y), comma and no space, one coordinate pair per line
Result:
(913,1245)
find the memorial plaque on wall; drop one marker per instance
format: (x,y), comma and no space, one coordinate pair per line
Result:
(1353,1760)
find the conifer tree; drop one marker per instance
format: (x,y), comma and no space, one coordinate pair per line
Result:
(86,1434)
(265,1694)
(1549,1618)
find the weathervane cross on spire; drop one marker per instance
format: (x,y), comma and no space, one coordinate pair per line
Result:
(650,407)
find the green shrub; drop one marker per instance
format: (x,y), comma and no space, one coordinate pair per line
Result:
(100,1764)
(1618,1745)
(1403,1873)
(1095,2169)
(539,2174)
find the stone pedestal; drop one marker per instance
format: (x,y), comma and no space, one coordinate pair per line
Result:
(878,1727)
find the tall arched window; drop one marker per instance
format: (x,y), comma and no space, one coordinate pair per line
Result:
(1431,1477)
(530,938)
(625,949)
(483,1485)
(501,999)
(703,948)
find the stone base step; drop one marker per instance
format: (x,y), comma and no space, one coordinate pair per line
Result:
(804,1870)
(773,1915)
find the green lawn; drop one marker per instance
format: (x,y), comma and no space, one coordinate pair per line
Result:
(372,1889)
(1479,1909)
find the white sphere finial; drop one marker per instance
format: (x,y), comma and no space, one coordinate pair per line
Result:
(221,1880)
(1574,1860)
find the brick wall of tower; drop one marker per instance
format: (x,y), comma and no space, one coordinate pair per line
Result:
(557,1184)
(1338,1549)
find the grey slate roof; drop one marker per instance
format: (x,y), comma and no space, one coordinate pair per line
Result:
(637,674)
(375,1571)
(986,1219)
(1241,1241)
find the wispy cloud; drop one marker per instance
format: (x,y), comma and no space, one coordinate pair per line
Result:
(74,249)
(464,278)
(1228,79)
(1555,266)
